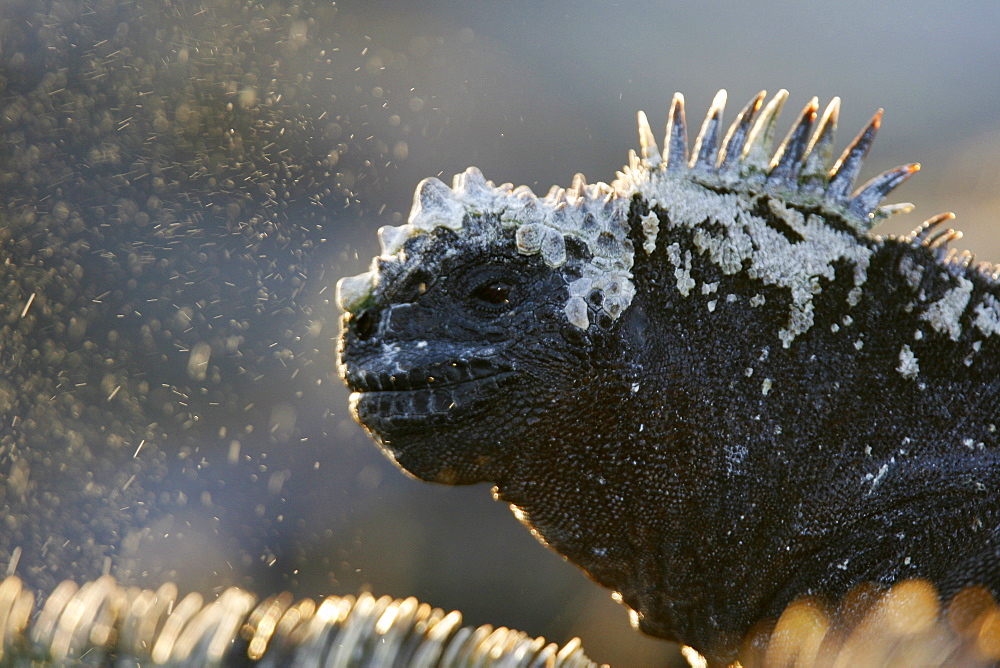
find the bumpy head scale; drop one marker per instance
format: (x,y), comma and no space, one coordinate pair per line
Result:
(591,214)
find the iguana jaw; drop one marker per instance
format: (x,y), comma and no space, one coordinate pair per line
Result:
(424,396)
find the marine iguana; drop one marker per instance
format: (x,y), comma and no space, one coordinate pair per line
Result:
(707,384)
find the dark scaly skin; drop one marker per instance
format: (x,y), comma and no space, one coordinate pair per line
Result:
(644,450)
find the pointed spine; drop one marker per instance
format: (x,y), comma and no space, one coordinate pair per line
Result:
(868,196)
(966,258)
(756,153)
(675,144)
(927,228)
(942,239)
(889,210)
(706,146)
(647,142)
(787,160)
(633,160)
(732,146)
(846,170)
(816,170)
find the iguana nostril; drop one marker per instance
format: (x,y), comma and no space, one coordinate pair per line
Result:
(365,324)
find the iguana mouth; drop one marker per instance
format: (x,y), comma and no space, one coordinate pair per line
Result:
(383,400)
(435,376)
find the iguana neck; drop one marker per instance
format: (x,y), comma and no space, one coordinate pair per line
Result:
(744,452)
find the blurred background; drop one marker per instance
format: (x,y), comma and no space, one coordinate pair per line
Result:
(183,181)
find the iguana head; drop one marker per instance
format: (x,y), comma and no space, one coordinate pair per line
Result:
(491,302)
(487,297)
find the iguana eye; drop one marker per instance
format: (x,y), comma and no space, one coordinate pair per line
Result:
(493,293)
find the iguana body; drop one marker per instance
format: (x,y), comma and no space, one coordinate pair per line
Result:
(706,384)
